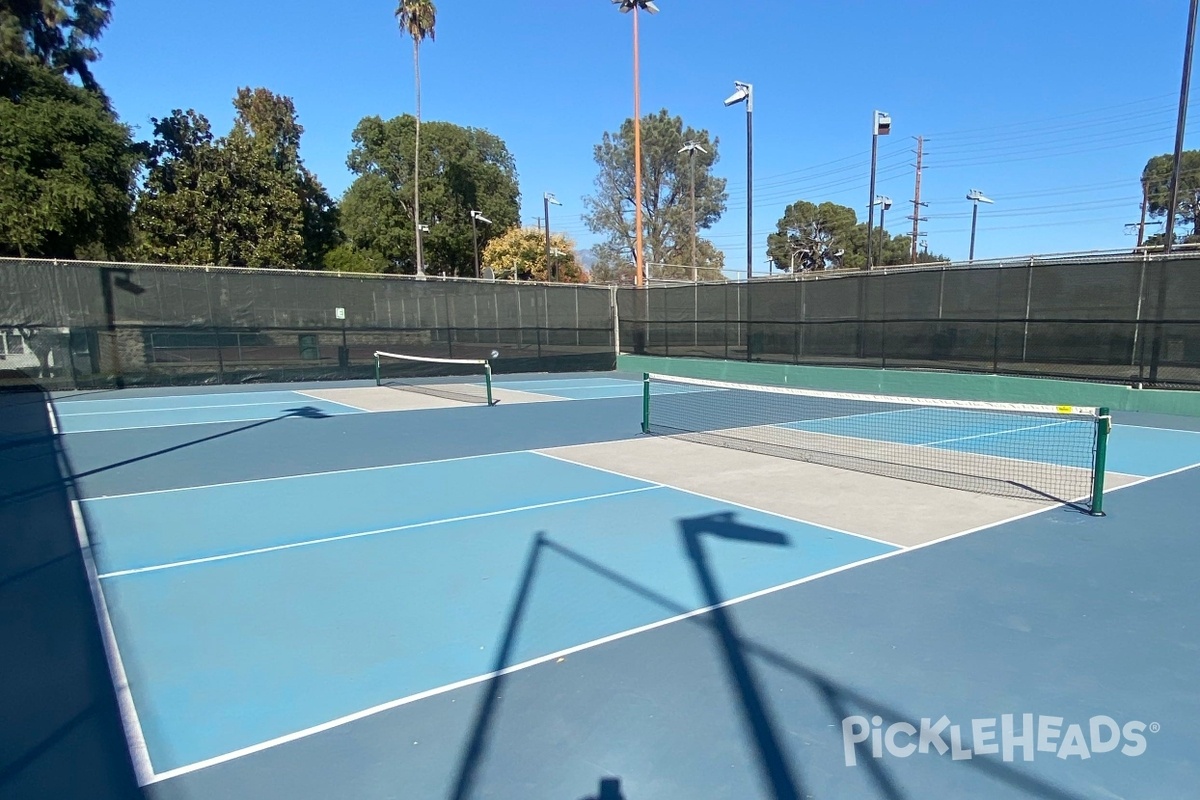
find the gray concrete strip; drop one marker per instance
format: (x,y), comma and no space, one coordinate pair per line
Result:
(895,511)
(387,398)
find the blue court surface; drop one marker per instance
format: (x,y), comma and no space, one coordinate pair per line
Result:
(307,601)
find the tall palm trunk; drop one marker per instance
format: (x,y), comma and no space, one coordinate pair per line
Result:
(417,163)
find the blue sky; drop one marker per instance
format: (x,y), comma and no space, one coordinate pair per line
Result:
(1050,108)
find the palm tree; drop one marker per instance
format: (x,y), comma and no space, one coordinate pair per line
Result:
(417,18)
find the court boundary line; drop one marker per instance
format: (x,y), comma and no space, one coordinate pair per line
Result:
(472,681)
(327,400)
(182,408)
(1000,433)
(364,534)
(348,470)
(139,753)
(190,424)
(135,739)
(715,499)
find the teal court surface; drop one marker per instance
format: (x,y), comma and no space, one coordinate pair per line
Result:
(338,591)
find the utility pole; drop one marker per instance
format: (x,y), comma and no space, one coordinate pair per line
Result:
(1142,222)
(916,217)
(539,222)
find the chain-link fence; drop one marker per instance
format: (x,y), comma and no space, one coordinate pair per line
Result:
(1131,320)
(78,324)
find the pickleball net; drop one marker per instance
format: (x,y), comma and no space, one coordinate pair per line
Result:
(467,380)
(1036,452)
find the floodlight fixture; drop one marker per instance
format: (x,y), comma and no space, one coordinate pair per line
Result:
(629,5)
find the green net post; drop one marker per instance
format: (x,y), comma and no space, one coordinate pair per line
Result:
(378,376)
(645,402)
(1103,429)
(487,380)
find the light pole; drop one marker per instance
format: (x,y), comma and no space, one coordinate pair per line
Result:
(880,126)
(547,199)
(421,231)
(745,93)
(884,204)
(1180,126)
(477,216)
(690,148)
(976,197)
(625,7)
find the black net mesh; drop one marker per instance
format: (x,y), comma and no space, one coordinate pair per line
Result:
(1129,320)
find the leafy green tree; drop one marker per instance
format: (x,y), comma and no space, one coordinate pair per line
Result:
(814,237)
(524,250)
(346,258)
(242,200)
(55,34)
(462,170)
(829,236)
(66,166)
(417,18)
(666,196)
(607,267)
(1156,178)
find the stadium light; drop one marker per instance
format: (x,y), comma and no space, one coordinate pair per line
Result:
(626,6)
(477,217)
(745,93)
(547,199)
(690,148)
(976,197)
(881,125)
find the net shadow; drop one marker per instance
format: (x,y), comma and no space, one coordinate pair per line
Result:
(303,412)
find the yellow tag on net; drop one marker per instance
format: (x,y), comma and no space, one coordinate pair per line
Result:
(1065,409)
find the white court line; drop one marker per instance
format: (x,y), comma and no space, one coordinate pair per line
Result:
(334,402)
(189,424)
(134,737)
(1153,428)
(305,475)
(994,433)
(362,534)
(440,690)
(53,417)
(848,416)
(711,497)
(185,408)
(140,754)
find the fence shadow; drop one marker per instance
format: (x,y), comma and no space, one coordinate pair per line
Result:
(62,735)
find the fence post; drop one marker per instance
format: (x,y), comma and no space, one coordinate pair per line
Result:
(615,310)
(1028,306)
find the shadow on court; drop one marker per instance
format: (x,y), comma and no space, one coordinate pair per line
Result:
(62,735)
(303,412)
(779,776)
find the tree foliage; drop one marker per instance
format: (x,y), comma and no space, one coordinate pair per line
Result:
(524,249)
(829,236)
(66,166)
(57,34)
(1157,179)
(242,200)
(666,197)
(462,170)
